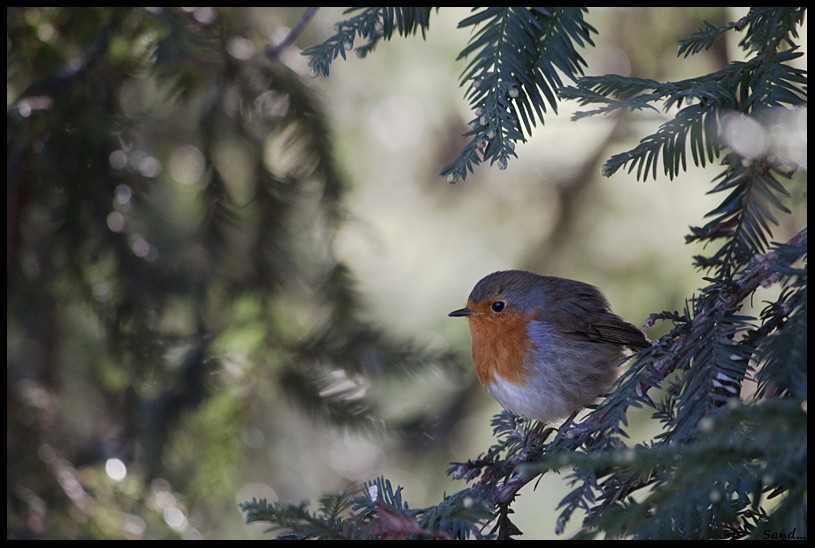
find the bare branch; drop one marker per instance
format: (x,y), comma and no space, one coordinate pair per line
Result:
(273,52)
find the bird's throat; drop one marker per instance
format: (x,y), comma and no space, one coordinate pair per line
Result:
(499,347)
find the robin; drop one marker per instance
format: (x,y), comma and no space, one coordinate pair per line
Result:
(545,347)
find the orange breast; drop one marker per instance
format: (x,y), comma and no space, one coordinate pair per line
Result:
(499,346)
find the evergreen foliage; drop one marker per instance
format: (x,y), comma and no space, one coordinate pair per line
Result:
(727,464)
(378,512)
(173,194)
(371,24)
(168,202)
(519,56)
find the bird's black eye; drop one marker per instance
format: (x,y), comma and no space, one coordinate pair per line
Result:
(498,306)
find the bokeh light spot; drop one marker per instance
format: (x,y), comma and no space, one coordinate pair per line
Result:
(398,121)
(115,469)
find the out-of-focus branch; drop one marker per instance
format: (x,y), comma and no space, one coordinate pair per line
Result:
(273,52)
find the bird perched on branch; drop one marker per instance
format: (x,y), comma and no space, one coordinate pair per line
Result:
(545,347)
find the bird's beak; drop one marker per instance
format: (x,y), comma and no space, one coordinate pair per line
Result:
(461,312)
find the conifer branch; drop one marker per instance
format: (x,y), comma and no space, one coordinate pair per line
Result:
(705,475)
(528,459)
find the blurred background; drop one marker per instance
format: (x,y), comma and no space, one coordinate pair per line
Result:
(229,279)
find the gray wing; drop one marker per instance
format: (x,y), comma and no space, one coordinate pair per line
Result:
(584,314)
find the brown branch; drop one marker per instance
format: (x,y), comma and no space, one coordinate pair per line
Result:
(759,273)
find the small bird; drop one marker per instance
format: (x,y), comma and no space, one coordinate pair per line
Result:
(545,347)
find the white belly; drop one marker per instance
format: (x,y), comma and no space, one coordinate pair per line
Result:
(532,401)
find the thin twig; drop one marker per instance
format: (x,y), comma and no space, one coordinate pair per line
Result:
(273,52)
